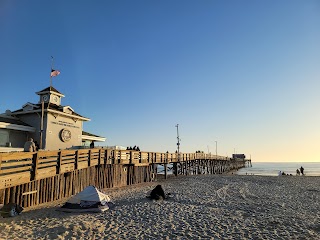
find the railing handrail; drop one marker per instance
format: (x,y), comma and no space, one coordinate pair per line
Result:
(19,167)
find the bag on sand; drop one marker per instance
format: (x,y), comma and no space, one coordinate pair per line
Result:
(10,210)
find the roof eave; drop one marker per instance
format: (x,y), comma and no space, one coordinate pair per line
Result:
(92,138)
(53,111)
(16,127)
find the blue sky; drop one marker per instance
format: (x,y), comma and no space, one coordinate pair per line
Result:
(242,73)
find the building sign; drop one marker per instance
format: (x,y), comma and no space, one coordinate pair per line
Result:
(65,135)
(65,124)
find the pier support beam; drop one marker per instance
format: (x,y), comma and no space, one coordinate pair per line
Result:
(175,169)
(165,171)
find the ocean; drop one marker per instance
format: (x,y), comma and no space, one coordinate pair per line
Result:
(272,168)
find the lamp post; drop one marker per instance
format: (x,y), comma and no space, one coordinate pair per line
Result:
(178,143)
(216,148)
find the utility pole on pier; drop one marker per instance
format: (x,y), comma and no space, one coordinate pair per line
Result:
(178,143)
(216,148)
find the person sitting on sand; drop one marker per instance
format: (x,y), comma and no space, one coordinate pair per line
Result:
(298,172)
(158,194)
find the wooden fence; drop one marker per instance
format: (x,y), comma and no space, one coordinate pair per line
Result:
(30,179)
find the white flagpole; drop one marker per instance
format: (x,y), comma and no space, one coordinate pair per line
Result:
(41,123)
(51,71)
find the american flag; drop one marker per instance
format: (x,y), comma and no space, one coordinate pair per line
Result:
(54,73)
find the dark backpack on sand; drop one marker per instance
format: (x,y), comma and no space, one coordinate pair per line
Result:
(10,210)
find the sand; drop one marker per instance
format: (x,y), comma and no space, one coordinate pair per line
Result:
(201,207)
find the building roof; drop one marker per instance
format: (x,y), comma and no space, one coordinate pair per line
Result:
(89,134)
(92,137)
(49,89)
(8,122)
(12,121)
(51,106)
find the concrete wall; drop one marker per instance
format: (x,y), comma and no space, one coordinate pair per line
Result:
(4,137)
(33,119)
(53,129)
(18,138)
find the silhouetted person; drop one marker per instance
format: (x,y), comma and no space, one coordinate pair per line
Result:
(134,148)
(37,145)
(157,193)
(298,172)
(301,170)
(92,144)
(29,146)
(130,148)
(138,149)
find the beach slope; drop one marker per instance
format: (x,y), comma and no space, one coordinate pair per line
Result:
(200,207)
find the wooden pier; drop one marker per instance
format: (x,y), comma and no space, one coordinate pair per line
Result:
(30,179)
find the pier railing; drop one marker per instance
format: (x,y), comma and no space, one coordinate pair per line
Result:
(33,178)
(20,167)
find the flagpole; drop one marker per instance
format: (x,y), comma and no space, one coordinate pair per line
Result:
(41,123)
(51,71)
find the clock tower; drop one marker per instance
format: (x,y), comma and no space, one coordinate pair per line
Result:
(50,95)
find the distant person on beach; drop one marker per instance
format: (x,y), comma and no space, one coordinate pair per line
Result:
(279,173)
(301,170)
(298,172)
(29,146)
(92,144)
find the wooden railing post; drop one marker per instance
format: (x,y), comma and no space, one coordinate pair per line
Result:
(106,156)
(76,160)
(34,172)
(99,159)
(89,158)
(59,162)
(130,157)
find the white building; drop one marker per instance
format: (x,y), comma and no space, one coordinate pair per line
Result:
(51,124)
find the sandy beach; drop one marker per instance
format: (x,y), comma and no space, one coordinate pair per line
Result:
(201,207)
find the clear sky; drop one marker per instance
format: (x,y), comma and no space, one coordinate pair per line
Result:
(242,73)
